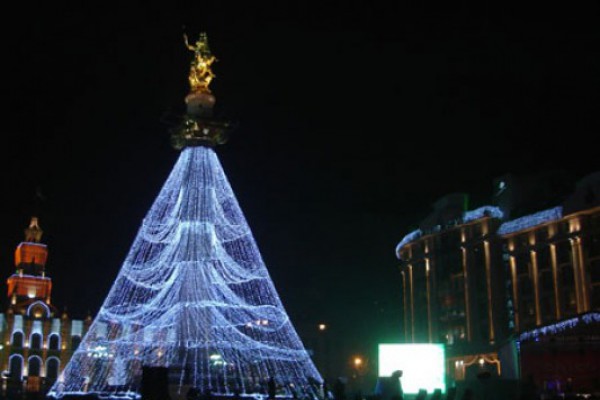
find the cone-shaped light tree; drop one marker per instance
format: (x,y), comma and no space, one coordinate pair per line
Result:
(193,294)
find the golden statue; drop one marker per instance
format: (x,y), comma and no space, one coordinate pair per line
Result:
(200,70)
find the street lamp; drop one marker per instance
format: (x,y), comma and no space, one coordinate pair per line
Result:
(358,362)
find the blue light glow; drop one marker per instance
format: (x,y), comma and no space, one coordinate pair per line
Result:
(586,319)
(481,212)
(529,221)
(193,289)
(468,216)
(411,237)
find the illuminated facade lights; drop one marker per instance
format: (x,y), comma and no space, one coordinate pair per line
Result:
(529,221)
(478,283)
(482,212)
(36,342)
(193,295)
(553,329)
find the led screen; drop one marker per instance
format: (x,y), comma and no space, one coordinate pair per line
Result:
(422,365)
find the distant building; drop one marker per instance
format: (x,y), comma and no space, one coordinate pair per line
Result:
(490,281)
(35,343)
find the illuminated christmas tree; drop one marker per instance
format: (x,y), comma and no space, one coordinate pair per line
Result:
(193,294)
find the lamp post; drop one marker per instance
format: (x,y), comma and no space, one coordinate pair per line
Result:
(359,366)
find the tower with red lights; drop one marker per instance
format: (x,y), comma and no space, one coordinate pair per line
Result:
(35,342)
(29,289)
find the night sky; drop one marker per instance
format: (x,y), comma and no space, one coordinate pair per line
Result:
(353,119)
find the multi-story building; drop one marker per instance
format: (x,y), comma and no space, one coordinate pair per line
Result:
(450,275)
(35,342)
(552,258)
(488,280)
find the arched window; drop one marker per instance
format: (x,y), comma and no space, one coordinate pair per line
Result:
(75,340)
(54,341)
(16,367)
(35,366)
(52,368)
(35,341)
(17,339)
(38,310)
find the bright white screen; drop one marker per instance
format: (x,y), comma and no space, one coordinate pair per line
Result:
(423,365)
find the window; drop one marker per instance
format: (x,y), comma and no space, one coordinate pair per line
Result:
(38,310)
(567,284)
(563,252)
(546,287)
(52,368)
(542,234)
(35,366)
(75,340)
(35,341)
(54,342)
(16,367)
(17,339)
(595,295)
(594,245)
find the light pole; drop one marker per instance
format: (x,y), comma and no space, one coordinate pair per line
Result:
(359,366)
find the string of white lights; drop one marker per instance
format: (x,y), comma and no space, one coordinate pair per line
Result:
(193,295)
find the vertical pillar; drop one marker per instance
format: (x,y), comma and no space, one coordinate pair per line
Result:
(553,260)
(466,287)
(405,306)
(575,258)
(488,278)
(583,283)
(428,284)
(412,302)
(536,287)
(515,285)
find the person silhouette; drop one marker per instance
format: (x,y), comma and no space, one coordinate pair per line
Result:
(397,392)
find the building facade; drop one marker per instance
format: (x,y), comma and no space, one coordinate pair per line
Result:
(450,284)
(486,282)
(35,341)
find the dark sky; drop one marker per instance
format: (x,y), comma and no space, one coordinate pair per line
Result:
(353,119)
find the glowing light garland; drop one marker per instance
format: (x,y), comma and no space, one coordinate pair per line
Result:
(516,225)
(587,319)
(481,212)
(193,295)
(468,216)
(529,221)
(411,237)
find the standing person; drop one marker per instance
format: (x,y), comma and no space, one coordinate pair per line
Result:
(397,392)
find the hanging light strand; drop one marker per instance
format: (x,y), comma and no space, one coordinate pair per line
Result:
(194,295)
